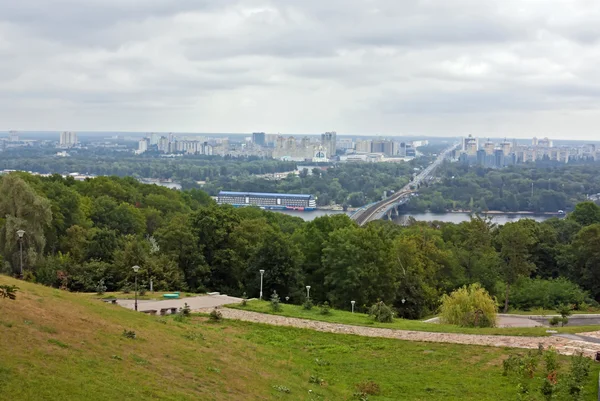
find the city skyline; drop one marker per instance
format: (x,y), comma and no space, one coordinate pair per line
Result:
(436,68)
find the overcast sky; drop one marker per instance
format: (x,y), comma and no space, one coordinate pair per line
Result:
(515,68)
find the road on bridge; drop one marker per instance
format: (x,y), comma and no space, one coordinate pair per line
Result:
(364,216)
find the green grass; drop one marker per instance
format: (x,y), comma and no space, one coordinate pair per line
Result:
(360,319)
(85,356)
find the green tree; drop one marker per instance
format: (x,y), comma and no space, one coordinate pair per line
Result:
(586,213)
(22,209)
(515,241)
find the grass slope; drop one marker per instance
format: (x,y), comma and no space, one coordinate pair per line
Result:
(360,319)
(55,345)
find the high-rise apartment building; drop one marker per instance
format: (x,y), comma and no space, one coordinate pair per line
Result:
(329,143)
(258,138)
(13,136)
(68,139)
(363,146)
(143,145)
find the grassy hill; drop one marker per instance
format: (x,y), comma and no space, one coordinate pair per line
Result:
(56,345)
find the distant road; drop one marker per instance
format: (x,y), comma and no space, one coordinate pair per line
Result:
(364,216)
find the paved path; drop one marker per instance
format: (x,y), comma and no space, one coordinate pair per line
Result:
(563,345)
(207,301)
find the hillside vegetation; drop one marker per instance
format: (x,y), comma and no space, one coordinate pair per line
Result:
(57,345)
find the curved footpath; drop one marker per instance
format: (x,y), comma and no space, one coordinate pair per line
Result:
(565,345)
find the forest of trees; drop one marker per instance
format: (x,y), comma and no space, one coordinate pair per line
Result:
(515,188)
(79,233)
(343,184)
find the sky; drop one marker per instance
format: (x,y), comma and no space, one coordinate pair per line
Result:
(375,67)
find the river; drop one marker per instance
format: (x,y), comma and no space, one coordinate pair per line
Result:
(500,218)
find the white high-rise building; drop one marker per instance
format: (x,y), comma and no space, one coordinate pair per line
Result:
(143,145)
(329,143)
(68,139)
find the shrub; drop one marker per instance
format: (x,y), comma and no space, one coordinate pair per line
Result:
(215,315)
(529,294)
(142,290)
(100,288)
(129,334)
(185,311)
(325,309)
(578,373)
(470,306)
(244,299)
(126,288)
(275,302)
(554,321)
(381,312)
(565,311)
(8,291)
(308,304)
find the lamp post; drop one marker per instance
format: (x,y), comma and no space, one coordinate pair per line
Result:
(262,272)
(135,269)
(352,302)
(20,233)
(308,292)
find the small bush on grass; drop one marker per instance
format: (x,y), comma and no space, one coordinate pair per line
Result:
(126,288)
(244,299)
(129,334)
(185,311)
(8,291)
(282,389)
(325,309)
(565,311)
(555,321)
(381,312)
(215,315)
(142,290)
(100,288)
(275,302)
(470,306)
(308,304)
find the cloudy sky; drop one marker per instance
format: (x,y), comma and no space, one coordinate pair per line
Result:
(514,68)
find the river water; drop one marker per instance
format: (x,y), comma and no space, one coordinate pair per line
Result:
(500,218)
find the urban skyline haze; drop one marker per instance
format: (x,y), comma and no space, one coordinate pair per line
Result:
(380,67)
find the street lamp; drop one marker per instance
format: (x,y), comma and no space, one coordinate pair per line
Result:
(135,269)
(352,302)
(262,272)
(308,292)
(20,233)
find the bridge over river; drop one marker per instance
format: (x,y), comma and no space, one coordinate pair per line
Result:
(388,206)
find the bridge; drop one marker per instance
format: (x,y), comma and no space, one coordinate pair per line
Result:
(388,206)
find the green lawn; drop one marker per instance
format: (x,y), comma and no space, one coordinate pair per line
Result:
(360,319)
(61,346)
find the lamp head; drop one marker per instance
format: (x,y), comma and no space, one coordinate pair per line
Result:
(136,268)
(261,271)
(352,302)
(20,233)
(308,287)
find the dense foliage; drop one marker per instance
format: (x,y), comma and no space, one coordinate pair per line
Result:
(469,306)
(516,188)
(81,234)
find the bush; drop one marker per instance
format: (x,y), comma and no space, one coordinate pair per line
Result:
(215,315)
(100,288)
(530,294)
(381,312)
(275,302)
(8,291)
(555,321)
(244,299)
(325,309)
(470,306)
(129,334)
(185,311)
(308,304)
(126,288)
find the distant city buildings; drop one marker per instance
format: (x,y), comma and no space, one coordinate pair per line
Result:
(68,139)
(505,153)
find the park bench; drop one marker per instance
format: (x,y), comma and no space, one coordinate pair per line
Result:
(164,311)
(173,311)
(150,311)
(110,301)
